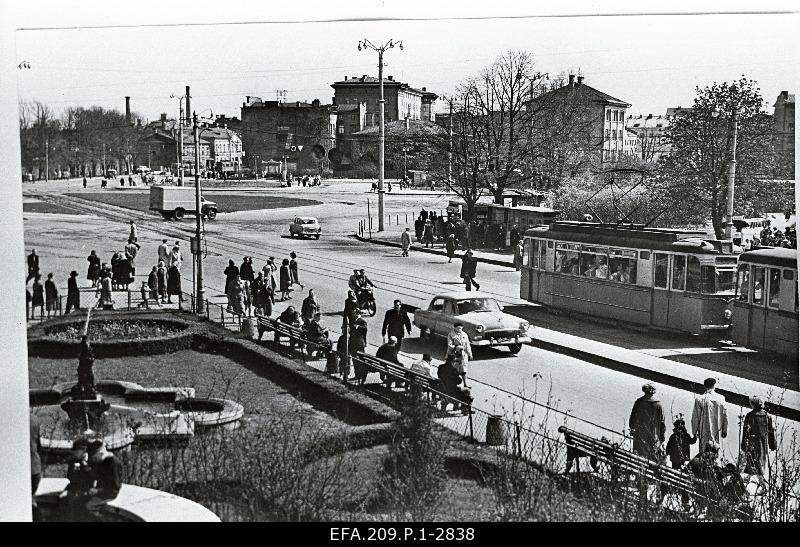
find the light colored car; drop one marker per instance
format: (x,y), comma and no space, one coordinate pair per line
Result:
(305,226)
(483,318)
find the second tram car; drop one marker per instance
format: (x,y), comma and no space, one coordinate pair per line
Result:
(765,308)
(662,278)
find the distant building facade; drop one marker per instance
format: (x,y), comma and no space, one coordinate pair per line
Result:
(402,100)
(651,132)
(299,135)
(598,119)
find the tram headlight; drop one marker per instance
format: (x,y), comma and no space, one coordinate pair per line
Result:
(728,315)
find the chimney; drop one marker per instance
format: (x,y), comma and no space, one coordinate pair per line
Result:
(424,89)
(163,116)
(333,100)
(315,103)
(188,111)
(580,80)
(128,110)
(785,95)
(390,78)
(571,80)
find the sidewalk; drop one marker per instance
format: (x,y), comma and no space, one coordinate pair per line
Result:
(393,240)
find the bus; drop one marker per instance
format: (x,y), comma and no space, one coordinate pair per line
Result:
(765,307)
(668,279)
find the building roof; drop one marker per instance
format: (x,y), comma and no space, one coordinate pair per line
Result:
(587,91)
(788,98)
(647,122)
(388,81)
(346,107)
(416,128)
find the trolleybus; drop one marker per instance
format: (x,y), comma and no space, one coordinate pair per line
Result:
(678,280)
(765,308)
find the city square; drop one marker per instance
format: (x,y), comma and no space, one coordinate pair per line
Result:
(386,307)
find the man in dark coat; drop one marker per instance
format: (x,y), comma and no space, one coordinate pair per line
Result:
(647,424)
(357,341)
(396,323)
(469,265)
(351,312)
(33,265)
(51,295)
(246,270)
(758,437)
(388,352)
(73,293)
(419,227)
(310,307)
(107,471)
(152,284)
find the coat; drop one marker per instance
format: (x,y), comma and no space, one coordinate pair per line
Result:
(173,281)
(451,247)
(94,267)
(163,253)
(50,293)
(396,323)
(647,426)
(758,437)
(161,273)
(709,418)
(405,240)
(294,272)
(231,272)
(38,294)
(73,292)
(246,272)
(469,266)
(309,308)
(285,278)
(678,447)
(463,340)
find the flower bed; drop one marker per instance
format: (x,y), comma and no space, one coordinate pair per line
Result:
(125,329)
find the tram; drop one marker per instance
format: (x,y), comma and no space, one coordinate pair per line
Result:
(679,280)
(765,308)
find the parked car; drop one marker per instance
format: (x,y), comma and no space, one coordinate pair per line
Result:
(111,173)
(483,318)
(305,226)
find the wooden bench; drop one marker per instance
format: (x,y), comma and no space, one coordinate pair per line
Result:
(622,462)
(404,377)
(282,330)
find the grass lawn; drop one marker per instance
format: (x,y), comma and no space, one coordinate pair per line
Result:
(44,207)
(226,203)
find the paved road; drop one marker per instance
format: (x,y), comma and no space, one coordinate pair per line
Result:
(588,391)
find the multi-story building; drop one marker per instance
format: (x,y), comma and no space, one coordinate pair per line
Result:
(597,119)
(299,135)
(402,100)
(783,120)
(651,132)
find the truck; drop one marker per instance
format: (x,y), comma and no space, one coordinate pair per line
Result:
(176,201)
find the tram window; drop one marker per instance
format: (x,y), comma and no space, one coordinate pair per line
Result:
(594,262)
(622,265)
(661,270)
(774,288)
(678,272)
(693,275)
(543,253)
(788,274)
(743,285)
(644,255)
(759,280)
(567,259)
(725,280)
(526,253)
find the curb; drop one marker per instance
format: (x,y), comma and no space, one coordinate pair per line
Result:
(687,385)
(431,251)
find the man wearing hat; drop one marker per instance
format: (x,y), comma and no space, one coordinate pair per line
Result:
(758,437)
(709,417)
(647,424)
(107,471)
(73,293)
(388,352)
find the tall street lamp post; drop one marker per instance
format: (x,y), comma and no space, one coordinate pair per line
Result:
(366,44)
(199,291)
(180,135)
(734,121)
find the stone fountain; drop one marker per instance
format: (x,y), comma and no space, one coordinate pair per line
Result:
(121,412)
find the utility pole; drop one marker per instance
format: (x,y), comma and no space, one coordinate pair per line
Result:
(732,176)
(199,292)
(104,160)
(180,136)
(47,159)
(366,44)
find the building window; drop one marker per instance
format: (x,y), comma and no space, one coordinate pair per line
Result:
(608,115)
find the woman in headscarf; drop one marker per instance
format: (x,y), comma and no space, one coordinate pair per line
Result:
(231,274)
(174,284)
(38,295)
(758,437)
(93,273)
(286,281)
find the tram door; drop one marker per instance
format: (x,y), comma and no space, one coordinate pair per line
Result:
(758,311)
(659,311)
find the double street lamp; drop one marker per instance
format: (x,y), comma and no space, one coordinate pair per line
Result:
(180,135)
(364,45)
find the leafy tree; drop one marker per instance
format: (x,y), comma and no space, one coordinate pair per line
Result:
(696,171)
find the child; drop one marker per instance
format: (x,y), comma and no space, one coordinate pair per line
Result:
(144,291)
(678,444)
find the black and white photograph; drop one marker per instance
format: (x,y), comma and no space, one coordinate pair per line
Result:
(400,269)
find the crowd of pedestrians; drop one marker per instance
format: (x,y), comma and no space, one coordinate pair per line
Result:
(773,237)
(709,429)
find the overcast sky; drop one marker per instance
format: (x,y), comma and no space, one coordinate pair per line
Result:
(652,62)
